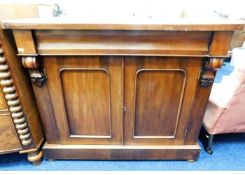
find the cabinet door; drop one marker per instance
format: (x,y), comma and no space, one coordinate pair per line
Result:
(86,97)
(159,92)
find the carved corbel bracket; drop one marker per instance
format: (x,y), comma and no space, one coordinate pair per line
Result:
(37,75)
(209,68)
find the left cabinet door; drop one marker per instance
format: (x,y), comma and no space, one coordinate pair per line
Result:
(86,97)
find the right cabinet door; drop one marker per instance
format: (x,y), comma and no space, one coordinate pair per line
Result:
(159,92)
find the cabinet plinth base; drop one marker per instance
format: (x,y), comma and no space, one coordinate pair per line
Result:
(115,152)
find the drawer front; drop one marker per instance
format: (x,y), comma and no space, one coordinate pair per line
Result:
(73,42)
(8,137)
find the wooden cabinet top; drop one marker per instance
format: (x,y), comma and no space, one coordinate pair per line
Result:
(124,24)
(122,37)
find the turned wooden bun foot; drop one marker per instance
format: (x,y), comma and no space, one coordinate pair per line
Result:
(35,157)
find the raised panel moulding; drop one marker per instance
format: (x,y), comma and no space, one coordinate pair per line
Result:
(155,116)
(86,94)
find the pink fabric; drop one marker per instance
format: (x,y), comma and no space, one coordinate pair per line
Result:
(211,117)
(226,109)
(229,119)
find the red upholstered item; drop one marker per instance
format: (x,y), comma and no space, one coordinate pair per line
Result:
(226,108)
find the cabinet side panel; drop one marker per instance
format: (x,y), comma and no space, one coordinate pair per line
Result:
(197,114)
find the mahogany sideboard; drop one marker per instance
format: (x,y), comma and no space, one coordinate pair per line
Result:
(125,90)
(20,125)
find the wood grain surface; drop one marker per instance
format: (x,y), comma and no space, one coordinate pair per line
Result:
(125,89)
(115,23)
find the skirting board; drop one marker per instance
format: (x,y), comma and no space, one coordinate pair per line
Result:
(121,152)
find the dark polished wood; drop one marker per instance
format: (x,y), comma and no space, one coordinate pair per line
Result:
(73,42)
(159,93)
(25,41)
(122,91)
(117,152)
(220,43)
(86,96)
(121,42)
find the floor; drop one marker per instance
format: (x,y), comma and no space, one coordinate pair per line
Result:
(229,154)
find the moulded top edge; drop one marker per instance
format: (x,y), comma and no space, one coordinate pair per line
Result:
(124,24)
